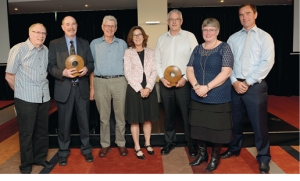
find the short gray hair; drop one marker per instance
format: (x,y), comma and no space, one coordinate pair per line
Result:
(211,22)
(109,18)
(33,25)
(175,11)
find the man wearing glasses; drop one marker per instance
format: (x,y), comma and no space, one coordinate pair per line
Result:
(26,74)
(108,84)
(175,48)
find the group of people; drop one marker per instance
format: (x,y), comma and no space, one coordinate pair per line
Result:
(221,82)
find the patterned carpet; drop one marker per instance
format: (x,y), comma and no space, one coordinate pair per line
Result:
(285,159)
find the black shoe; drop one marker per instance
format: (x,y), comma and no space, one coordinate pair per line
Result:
(228,154)
(26,170)
(46,164)
(141,157)
(201,158)
(62,161)
(202,154)
(149,152)
(213,164)
(215,158)
(192,150)
(89,157)
(264,168)
(167,148)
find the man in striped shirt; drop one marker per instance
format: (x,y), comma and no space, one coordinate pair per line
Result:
(26,74)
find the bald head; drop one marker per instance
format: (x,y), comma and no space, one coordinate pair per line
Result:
(69,26)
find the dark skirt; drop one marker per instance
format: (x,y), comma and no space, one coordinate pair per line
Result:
(211,122)
(140,110)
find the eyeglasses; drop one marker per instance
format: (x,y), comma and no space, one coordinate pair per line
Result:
(209,30)
(110,26)
(172,20)
(137,35)
(40,33)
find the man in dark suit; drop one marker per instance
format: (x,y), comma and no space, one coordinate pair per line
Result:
(71,91)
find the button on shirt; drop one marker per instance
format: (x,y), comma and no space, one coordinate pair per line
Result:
(108,57)
(262,54)
(29,65)
(174,50)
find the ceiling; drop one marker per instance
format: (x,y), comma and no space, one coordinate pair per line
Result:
(44,6)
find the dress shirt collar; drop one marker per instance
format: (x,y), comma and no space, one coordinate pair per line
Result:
(31,46)
(252,29)
(114,40)
(68,40)
(178,34)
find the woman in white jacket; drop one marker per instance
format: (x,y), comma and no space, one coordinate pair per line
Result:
(141,96)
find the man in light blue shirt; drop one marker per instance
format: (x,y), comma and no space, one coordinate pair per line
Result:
(107,83)
(252,63)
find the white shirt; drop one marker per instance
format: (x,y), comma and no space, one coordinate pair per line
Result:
(174,50)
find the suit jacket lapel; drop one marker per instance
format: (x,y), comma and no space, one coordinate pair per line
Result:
(79,47)
(64,48)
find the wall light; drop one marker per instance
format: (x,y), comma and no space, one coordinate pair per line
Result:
(152,22)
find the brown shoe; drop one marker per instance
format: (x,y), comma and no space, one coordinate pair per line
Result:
(123,151)
(104,151)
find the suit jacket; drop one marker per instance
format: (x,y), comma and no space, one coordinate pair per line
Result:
(58,53)
(133,68)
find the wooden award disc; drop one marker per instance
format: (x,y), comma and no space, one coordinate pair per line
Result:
(75,61)
(173,74)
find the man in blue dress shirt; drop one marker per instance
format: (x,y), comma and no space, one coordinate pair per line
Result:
(253,51)
(109,84)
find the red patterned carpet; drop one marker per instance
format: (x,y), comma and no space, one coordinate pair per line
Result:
(285,159)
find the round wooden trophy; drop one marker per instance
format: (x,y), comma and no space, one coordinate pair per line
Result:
(75,61)
(173,75)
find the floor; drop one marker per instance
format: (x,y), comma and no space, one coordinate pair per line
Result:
(285,158)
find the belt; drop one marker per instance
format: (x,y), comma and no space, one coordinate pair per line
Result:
(74,83)
(109,76)
(242,80)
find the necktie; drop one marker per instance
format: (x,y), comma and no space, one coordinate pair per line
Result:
(245,56)
(72,52)
(72,48)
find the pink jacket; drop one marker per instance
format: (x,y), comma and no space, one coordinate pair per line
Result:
(133,68)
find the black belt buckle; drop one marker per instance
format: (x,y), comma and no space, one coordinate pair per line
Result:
(241,80)
(108,77)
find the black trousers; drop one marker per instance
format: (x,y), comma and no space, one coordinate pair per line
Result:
(65,111)
(255,103)
(33,132)
(170,98)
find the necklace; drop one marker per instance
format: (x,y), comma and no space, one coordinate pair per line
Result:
(207,54)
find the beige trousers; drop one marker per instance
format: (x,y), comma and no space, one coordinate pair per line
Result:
(105,91)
